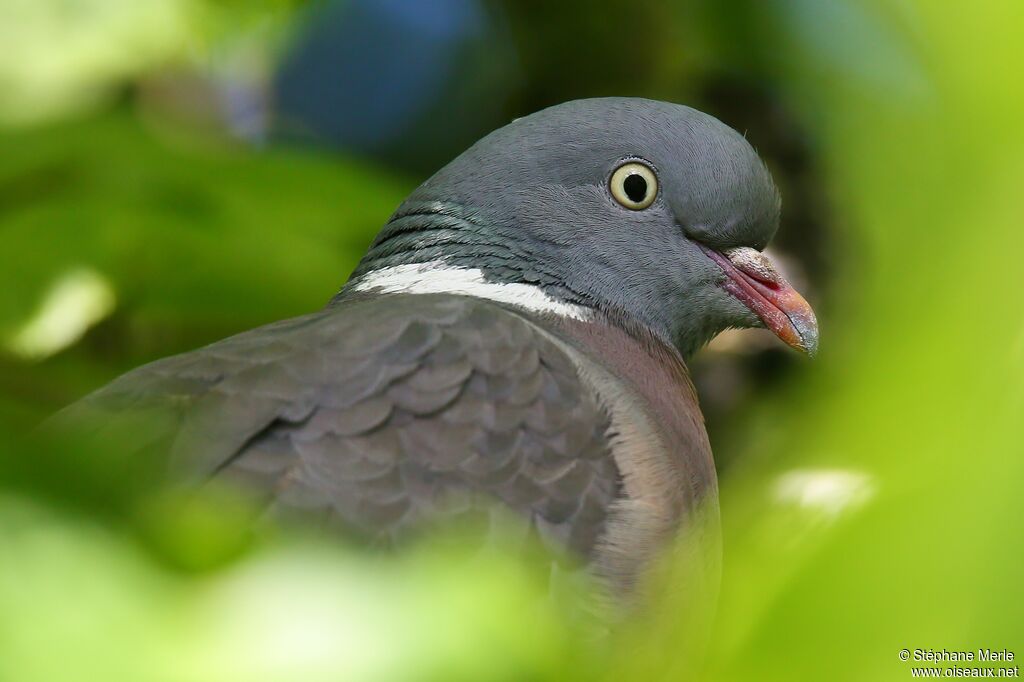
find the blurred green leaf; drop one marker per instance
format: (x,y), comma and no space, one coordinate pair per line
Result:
(102,610)
(917,391)
(195,243)
(64,56)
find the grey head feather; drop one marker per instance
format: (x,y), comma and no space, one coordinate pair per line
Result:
(531,203)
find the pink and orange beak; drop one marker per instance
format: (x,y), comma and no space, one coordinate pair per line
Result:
(754,280)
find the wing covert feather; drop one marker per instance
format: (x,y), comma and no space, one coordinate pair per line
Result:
(383,414)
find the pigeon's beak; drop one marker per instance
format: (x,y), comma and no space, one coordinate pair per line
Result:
(754,280)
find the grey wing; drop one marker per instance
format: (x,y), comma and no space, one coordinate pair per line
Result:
(384,413)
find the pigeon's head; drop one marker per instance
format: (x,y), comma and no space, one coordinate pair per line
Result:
(653,214)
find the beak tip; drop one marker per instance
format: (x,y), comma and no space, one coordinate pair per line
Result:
(807,335)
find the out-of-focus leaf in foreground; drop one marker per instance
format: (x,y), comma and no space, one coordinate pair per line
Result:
(116,573)
(80,602)
(878,505)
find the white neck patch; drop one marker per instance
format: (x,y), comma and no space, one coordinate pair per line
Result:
(436,277)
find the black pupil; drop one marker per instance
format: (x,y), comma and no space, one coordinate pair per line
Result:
(635,187)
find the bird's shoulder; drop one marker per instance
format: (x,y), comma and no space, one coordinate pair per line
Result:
(382,412)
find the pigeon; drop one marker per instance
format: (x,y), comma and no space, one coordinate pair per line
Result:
(515,337)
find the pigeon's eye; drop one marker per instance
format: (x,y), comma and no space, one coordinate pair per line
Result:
(634,185)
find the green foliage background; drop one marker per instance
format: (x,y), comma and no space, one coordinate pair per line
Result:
(909,423)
